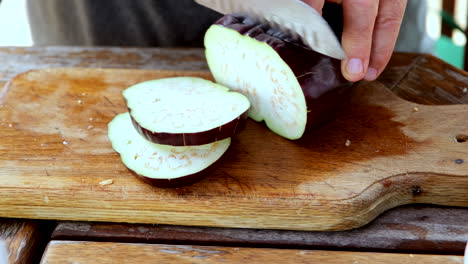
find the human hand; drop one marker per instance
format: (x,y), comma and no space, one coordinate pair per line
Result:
(370,31)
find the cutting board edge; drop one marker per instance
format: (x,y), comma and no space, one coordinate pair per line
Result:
(412,192)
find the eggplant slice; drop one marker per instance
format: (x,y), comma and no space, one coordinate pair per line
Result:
(186,111)
(162,165)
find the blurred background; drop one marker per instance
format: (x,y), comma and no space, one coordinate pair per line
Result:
(446,26)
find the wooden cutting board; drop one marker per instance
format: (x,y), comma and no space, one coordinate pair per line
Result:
(54,153)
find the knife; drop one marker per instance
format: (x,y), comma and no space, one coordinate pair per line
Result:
(294,16)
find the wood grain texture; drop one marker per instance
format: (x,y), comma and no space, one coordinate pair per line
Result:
(23,241)
(426,80)
(16,60)
(411,229)
(99,252)
(404,228)
(56,152)
(19,59)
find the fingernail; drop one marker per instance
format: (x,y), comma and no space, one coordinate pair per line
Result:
(354,66)
(371,74)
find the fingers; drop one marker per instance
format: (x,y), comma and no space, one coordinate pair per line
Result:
(358,26)
(370,31)
(386,29)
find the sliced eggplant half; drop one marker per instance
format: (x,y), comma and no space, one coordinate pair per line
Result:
(186,111)
(290,86)
(163,165)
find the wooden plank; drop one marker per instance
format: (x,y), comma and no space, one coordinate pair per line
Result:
(415,229)
(400,156)
(23,241)
(101,252)
(449,7)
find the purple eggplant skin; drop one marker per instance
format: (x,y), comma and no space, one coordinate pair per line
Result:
(194,139)
(324,87)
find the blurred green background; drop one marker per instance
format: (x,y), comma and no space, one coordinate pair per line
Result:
(449,52)
(447,24)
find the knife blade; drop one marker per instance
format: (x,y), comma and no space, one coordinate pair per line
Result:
(294,16)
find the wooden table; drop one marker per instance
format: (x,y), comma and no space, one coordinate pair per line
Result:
(408,229)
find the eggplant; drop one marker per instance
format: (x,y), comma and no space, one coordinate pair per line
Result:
(185,111)
(291,87)
(163,165)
